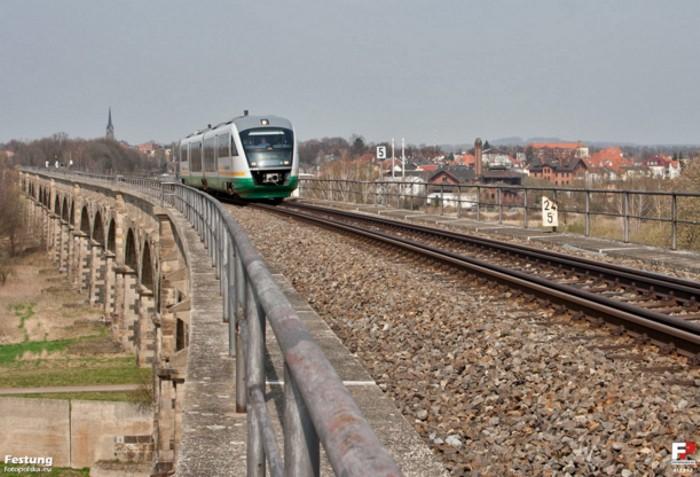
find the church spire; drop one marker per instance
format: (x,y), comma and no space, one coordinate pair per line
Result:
(110,127)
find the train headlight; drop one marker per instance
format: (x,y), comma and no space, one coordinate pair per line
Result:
(253,164)
(285,162)
(264,122)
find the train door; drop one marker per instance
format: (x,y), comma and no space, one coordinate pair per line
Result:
(240,166)
(209,171)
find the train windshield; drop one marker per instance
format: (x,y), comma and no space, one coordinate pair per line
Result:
(268,147)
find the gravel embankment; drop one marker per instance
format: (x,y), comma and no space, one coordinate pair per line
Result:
(495,384)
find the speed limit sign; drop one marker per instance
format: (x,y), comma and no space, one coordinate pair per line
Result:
(550,213)
(381,152)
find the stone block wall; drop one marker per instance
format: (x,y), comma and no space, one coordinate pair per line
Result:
(74,433)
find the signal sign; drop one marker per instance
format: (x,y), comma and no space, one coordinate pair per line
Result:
(381,152)
(550,213)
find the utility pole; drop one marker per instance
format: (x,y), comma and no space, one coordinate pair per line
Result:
(403,158)
(392,158)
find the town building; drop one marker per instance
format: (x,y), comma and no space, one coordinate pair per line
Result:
(561,172)
(558,150)
(610,158)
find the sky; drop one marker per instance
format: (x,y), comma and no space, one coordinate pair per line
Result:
(434,72)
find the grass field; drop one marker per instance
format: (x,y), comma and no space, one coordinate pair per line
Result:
(65,362)
(129,396)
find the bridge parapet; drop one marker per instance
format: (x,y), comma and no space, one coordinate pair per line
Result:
(128,243)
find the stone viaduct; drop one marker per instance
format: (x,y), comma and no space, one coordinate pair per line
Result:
(124,253)
(179,305)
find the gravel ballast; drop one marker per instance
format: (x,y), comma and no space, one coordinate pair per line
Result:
(496,384)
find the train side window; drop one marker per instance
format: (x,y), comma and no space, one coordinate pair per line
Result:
(222,146)
(234,151)
(183,152)
(209,160)
(196,157)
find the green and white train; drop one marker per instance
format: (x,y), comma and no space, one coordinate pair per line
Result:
(251,157)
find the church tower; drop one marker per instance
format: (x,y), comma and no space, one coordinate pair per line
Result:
(110,127)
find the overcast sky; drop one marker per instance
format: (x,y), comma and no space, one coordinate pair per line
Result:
(432,71)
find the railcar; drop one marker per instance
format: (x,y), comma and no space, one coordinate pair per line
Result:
(251,157)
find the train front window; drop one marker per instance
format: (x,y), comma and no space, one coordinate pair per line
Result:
(268,147)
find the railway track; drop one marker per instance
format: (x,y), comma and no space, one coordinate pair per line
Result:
(652,306)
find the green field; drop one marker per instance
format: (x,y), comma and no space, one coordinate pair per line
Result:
(67,362)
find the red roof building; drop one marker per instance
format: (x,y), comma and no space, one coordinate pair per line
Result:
(610,158)
(427,167)
(466,159)
(558,150)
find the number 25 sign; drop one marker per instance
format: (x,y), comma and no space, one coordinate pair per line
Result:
(550,214)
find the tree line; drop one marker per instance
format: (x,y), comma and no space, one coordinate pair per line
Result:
(103,156)
(315,153)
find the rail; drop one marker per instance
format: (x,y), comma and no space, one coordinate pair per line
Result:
(659,324)
(630,214)
(317,406)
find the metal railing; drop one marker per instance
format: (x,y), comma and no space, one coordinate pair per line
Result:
(317,406)
(628,210)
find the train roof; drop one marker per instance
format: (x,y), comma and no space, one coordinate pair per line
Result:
(247,122)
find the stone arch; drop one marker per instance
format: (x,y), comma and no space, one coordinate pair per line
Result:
(112,237)
(98,232)
(85,221)
(147,268)
(57,206)
(72,212)
(130,256)
(64,210)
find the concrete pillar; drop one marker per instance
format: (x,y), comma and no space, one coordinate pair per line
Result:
(109,284)
(165,421)
(126,312)
(117,314)
(144,329)
(167,329)
(98,269)
(179,399)
(58,240)
(49,231)
(78,260)
(45,222)
(64,258)
(85,263)
(70,256)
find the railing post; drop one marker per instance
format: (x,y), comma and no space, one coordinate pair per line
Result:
(478,203)
(232,299)
(442,199)
(587,219)
(500,205)
(526,221)
(301,448)
(225,281)
(674,221)
(240,283)
(626,219)
(255,379)
(459,201)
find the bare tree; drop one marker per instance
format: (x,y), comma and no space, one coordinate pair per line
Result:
(11,212)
